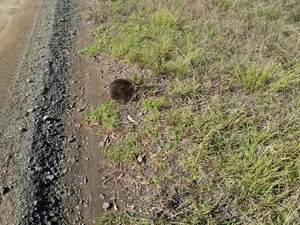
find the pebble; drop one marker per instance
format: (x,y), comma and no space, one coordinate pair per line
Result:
(23,129)
(38,168)
(30,110)
(81,109)
(102,144)
(29,159)
(71,139)
(78,125)
(65,171)
(160,148)
(3,191)
(106,206)
(102,196)
(72,105)
(50,177)
(46,118)
(140,159)
(85,180)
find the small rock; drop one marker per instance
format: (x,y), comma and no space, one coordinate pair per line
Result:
(78,125)
(23,129)
(140,159)
(38,168)
(59,125)
(160,148)
(29,80)
(29,159)
(101,144)
(30,110)
(3,191)
(81,109)
(50,177)
(72,105)
(104,178)
(102,196)
(106,206)
(46,118)
(85,180)
(71,139)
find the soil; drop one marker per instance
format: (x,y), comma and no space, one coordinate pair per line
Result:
(53,168)
(16,20)
(33,73)
(91,180)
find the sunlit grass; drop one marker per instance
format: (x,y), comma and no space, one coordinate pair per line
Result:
(106,115)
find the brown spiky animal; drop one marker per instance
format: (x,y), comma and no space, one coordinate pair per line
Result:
(121,90)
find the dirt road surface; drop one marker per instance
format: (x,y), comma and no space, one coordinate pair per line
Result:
(35,37)
(52,169)
(16,20)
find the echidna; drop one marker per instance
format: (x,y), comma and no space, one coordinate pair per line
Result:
(121,90)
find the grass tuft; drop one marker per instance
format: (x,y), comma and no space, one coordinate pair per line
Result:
(106,115)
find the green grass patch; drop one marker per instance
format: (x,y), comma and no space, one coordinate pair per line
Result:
(106,115)
(126,151)
(113,218)
(159,40)
(221,115)
(154,104)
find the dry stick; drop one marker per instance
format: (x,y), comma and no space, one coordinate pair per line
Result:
(108,179)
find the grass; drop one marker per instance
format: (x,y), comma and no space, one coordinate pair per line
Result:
(117,218)
(106,115)
(221,131)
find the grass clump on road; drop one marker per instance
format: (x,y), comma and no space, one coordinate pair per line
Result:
(221,134)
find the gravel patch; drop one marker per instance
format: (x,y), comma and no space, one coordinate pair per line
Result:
(31,137)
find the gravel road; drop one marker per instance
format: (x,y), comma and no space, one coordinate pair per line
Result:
(31,129)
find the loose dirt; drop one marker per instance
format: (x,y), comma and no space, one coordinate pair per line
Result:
(52,168)
(32,57)
(90,180)
(16,20)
